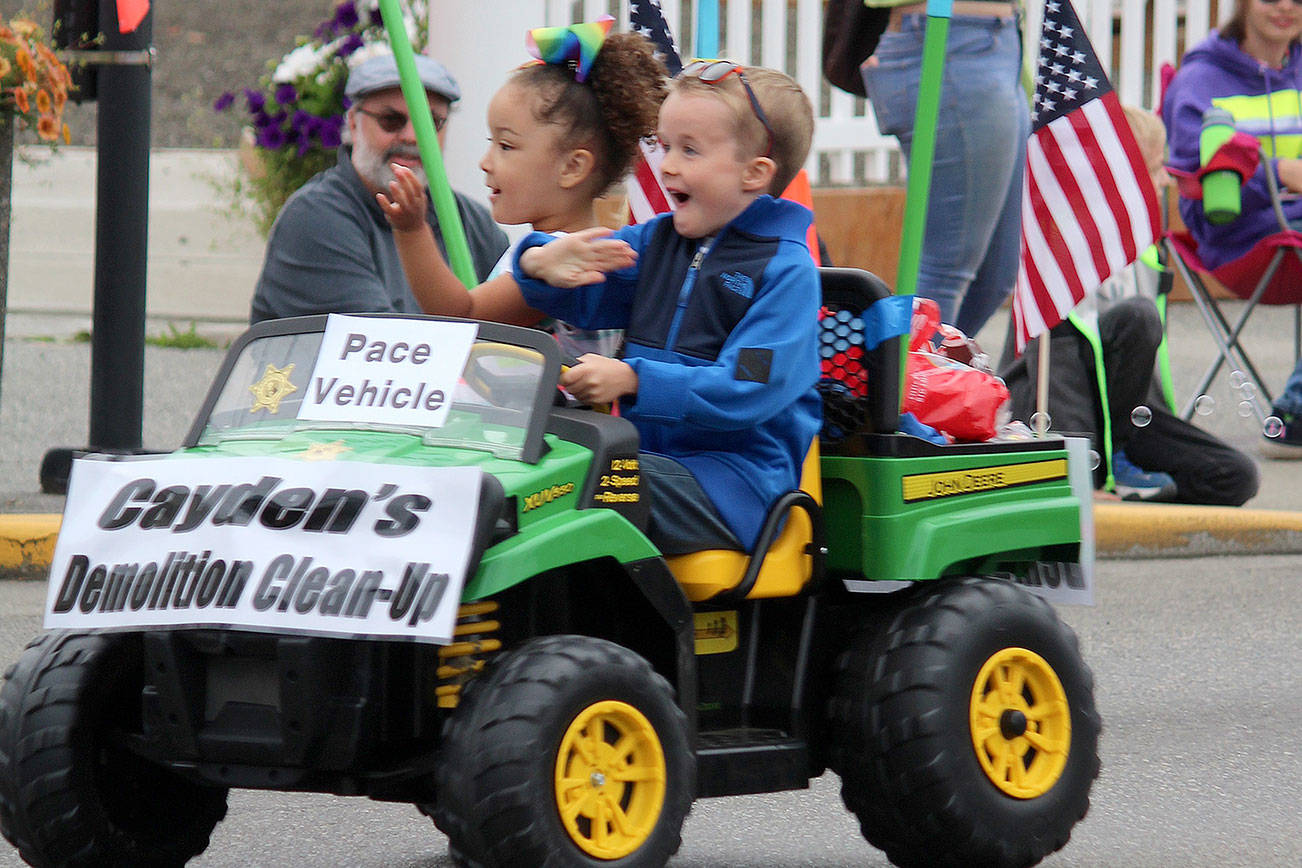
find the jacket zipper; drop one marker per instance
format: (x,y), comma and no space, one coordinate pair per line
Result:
(685,293)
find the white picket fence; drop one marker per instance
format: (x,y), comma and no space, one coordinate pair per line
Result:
(1131,37)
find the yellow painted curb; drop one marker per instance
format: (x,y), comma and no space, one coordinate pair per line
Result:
(1169,530)
(27,544)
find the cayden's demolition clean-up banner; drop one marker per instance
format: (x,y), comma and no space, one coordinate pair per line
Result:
(333,548)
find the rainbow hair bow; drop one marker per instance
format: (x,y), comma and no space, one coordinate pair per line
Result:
(577,44)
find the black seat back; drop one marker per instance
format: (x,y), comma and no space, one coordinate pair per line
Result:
(860,383)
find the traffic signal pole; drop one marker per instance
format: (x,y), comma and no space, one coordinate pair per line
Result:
(124,77)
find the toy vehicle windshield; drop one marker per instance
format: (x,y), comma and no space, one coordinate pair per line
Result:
(498,403)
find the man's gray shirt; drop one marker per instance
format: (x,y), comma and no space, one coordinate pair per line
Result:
(332,251)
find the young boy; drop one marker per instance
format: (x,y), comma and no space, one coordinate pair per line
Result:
(720,309)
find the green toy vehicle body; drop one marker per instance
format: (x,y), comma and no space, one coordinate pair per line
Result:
(553,691)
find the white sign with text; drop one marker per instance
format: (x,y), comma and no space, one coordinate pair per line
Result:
(395,371)
(333,548)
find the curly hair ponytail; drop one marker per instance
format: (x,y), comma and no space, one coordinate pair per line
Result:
(612,111)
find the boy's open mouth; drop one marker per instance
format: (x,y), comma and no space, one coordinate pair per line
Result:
(679,197)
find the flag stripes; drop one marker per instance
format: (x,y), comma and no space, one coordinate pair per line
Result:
(1088,206)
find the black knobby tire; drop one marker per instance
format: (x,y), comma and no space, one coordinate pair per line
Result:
(904,711)
(499,781)
(70,794)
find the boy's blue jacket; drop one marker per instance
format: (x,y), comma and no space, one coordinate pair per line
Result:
(726,353)
(1266,103)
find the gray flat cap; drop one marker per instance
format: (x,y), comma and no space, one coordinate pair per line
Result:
(381,73)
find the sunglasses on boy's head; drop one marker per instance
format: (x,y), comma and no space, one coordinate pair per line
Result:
(715,71)
(391,120)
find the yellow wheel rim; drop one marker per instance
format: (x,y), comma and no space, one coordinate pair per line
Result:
(1021,723)
(610,779)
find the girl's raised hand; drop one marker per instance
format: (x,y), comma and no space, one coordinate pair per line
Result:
(404,206)
(578,259)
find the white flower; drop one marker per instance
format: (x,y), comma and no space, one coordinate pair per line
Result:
(302,61)
(367,51)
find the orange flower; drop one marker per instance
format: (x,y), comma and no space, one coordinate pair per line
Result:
(24,27)
(20,100)
(44,53)
(47,128)
(26,64)
(6,34)
(5,66)
(60,99)
(67,135)
(43,102)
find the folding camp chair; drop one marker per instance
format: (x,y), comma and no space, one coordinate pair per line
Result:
(1268,274)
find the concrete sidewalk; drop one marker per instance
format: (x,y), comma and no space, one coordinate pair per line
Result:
(202,267)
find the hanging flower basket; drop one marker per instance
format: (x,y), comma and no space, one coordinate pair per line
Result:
(296,111)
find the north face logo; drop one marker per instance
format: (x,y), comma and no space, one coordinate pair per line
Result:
(739,283)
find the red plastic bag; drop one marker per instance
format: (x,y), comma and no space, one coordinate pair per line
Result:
(952,397)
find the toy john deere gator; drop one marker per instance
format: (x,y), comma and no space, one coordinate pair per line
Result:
(387,562)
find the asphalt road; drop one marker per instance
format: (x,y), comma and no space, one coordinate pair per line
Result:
(1197,682)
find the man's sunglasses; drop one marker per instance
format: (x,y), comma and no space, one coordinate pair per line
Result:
(715,71)
(391,121)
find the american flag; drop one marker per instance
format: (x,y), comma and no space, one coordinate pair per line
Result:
(1088,207)
(647,196)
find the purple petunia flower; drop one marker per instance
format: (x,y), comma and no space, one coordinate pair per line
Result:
(286,94)
(349,45)
(346,15)
(224,102)
(271,137)
(255,99)
(330,131)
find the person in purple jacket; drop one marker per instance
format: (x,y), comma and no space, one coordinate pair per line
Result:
(1252,69)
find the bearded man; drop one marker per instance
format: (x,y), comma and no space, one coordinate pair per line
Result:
(331,250)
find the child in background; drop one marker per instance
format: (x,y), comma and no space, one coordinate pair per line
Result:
(720,310)
(561,133)
(1156,455)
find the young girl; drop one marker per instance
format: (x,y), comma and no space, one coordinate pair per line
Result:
(560,134)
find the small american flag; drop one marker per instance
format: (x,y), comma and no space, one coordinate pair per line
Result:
(647,196)
(1088,207)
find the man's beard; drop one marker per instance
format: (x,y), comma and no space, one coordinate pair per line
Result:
(373,165)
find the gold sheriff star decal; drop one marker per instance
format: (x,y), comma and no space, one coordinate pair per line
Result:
(273,386)
(324,451)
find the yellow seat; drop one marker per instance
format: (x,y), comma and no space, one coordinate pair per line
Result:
(788,564)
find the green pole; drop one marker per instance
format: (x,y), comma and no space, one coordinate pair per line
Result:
(924,149)
(431,157)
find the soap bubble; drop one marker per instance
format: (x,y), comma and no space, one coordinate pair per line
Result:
(1237,379)
(1204,405)
(1273,427)
(1039,422)
(1245,409)
(1248,391)
(1141,416)
(1094,460)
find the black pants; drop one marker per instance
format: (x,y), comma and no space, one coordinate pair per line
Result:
(1205,470)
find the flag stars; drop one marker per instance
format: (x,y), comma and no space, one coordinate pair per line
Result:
(1077,57)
